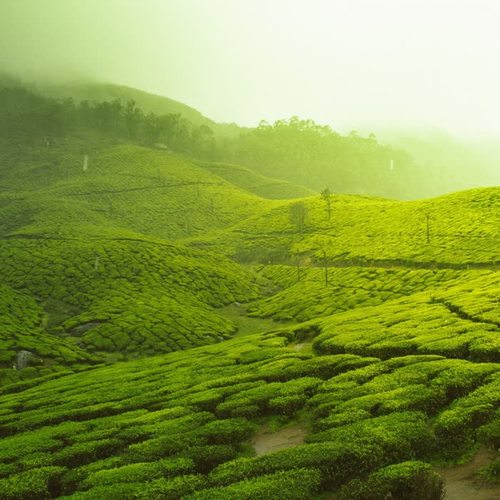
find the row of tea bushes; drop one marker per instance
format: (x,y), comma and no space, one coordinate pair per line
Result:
(421,324)
(122,297)
(304,295)
(180,424)
(370,230)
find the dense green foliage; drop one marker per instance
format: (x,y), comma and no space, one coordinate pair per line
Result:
(459,322)
(347,163)
(141,425)
(371,325)
(120,297)
(304,152)
(463,232)
(255,183)
(405,481)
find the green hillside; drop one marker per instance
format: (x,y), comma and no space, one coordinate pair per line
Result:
(260,185)
(165,321)
(124,188)
(463,231)
(151,103)
(91,252)
(179,425)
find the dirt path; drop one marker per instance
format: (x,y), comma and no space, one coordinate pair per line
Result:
(266,441)
(248,324)
(461,483)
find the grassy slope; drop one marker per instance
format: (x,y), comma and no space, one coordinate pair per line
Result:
(125,297)
(125,188)
(93,250)
(303,295)
(258,184)
(463,230)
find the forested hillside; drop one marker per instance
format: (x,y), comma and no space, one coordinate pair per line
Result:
(298,151)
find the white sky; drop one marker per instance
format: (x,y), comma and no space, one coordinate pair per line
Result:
(350,63)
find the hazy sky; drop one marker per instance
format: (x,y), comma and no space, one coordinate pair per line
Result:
(350,63)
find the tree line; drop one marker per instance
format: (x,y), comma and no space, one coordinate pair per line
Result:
(300,151)
(30,117)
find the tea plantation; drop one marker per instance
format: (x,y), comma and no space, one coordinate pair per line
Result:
(179,425)
(123,376)
(462,232)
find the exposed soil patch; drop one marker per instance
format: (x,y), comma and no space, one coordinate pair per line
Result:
(463,484)
(266,441)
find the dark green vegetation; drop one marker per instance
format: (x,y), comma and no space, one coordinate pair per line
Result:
(298,151)
(157,312)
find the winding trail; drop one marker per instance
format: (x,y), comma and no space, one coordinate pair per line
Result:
(462,484)
(267,441)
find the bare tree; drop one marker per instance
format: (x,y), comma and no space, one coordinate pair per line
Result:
(326,196)
(427,227)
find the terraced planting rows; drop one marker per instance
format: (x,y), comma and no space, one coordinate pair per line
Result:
(388,367)
(125,190)
(460,321)
(179,425)
(123,298)
(463,231)
(304,295)
(26,349)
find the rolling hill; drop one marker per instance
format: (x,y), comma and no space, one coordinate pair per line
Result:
(463,231)
(163,319)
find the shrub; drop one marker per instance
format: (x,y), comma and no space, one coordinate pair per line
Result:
(286,485)
(206,458)
(170,489)
(39,484)
(400,435)
(140,472)
(287,405)
(128,491)
(337,462)
(405,481)
(154,449)
(72,478)
(82,453)
(489,434)
(230,431)
(491,472)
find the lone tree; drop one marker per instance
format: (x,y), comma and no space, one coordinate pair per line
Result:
(326,196)
(298,215)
